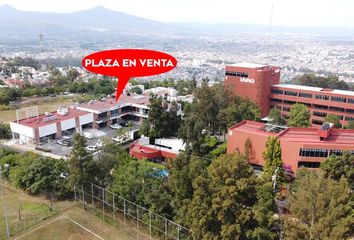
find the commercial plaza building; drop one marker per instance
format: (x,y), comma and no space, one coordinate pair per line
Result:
(301,147)
(96,114)
(107,111)
(36,129)
(260,83)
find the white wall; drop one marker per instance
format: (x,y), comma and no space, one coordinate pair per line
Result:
(88,118)
(22,129)
(67,124)
(47,130)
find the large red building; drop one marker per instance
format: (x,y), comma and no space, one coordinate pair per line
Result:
(253,81)
(260,84)
(301,147)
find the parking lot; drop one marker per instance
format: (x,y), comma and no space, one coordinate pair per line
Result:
(65,151)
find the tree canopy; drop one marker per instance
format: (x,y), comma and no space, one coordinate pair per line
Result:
(320,208)
(82,168)
(227,205)
(337,167)
(299,116)
(273,160)
(332,81)
(275,115)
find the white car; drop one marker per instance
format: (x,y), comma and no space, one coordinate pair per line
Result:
(87,135)
(116,126)
(118,139)
(99,143)
(92,148)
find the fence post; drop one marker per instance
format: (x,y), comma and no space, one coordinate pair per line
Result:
(93,205)
(166,228)
(137,221)
(83,197)
(114,210)
(178,231)
(124,208)
(103,202)
(75,194)
(150,225)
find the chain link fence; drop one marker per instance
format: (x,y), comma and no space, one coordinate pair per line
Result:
(27,221)
(139,222)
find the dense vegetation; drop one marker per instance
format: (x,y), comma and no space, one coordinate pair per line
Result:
(332,82)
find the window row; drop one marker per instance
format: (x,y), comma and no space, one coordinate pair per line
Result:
(321,153)
(277,91)
(319,114)
(308,164)
(309,152)
(236,74)
(306,95)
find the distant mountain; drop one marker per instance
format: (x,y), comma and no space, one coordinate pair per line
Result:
(101,23)
(98,19)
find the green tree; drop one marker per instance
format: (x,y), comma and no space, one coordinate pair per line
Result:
(5,131)
(136,90)
(299,116)
(185,170)
(275,115)
(331,118)
(72,74)
(310,79)
(273,160)
(142,182)
(82,168)
(226,204)
(320,209)
(160,122)
(350,125)
(337,167)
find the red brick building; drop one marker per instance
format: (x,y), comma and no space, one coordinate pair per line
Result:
(253,81)
(260,84)
(301,147)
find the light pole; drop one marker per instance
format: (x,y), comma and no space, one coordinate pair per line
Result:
(4,202)
(274,178)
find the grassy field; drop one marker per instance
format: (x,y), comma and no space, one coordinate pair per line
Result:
(68,222)
(44,105)
(60,228)
(23,209)
(76,223)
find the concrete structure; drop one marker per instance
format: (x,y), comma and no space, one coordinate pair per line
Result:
(252,81)
(107,111)
(320,101)
(301,147)
(260,84)
(53,125)
(158,152)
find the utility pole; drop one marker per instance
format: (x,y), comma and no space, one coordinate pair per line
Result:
(4,203)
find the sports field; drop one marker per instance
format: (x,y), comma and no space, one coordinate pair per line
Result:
(29,218)
(60,228)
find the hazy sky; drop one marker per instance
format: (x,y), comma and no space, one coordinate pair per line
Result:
(286,12)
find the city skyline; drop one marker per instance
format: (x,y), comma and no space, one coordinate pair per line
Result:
(285,13)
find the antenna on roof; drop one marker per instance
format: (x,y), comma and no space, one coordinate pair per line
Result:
(41,41)
(271,23)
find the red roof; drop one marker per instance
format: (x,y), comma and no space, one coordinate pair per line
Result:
(110,102)
(310,135)
(304,135)
(35,122)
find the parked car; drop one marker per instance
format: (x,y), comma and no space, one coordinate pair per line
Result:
(118,139)
(123,124)
(64,142)
(92,148)
(99,143)
(115,126)
(87,135)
